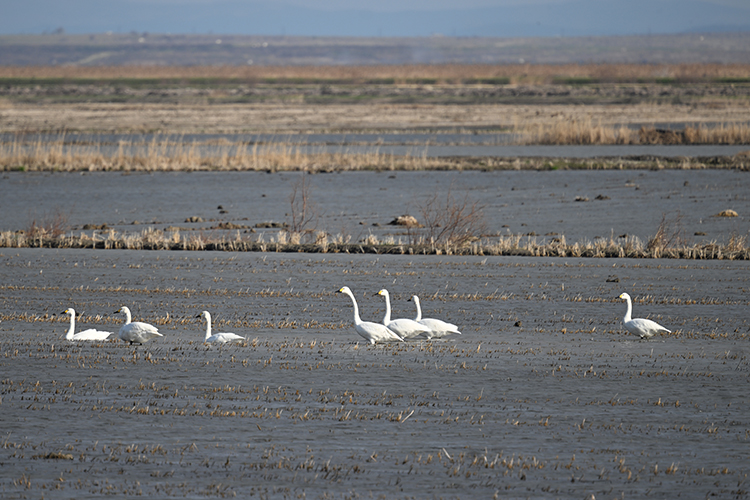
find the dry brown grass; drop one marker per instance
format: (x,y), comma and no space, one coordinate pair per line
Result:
(584,132)
(736,248)
(163,154)
(443,73)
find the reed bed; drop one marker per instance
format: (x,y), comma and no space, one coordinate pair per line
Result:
(584,132)
(397,74)
(165,154)
(736,247)
(170,154)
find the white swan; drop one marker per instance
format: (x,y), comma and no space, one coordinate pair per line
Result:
(219,338)
(645,328)
(372,332)
(90,334)
(136,332)
(403,327)
(438,328)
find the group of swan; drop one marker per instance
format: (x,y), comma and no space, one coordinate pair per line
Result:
(398,330)
(136,332)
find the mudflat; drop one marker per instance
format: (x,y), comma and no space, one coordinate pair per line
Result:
(544,394)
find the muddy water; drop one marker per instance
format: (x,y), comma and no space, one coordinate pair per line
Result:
(543,395)
(356,204)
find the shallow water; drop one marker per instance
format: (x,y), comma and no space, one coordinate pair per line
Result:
(544,395)
(357,204)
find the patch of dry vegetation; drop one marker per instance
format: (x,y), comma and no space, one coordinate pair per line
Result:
(657,246)
(165,154)
(584,132)
(397,74)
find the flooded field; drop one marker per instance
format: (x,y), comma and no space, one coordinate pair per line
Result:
(580,205)
(544,395)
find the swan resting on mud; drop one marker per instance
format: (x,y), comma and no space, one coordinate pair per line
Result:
(218,338)
(438,328)
(136,332)
(90,334)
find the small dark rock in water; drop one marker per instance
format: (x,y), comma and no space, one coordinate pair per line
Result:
(194,219)
(700,233)
(223,212)
(518,323)
(406,221)
(220,207)
(623,235)
(601,197)
(613,279)
(229,225)
(270,225)
(581,198)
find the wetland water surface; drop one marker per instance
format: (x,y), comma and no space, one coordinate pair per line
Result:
(544,395)
(576,204)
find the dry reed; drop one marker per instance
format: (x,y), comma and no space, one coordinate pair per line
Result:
(736,248)
(166,154)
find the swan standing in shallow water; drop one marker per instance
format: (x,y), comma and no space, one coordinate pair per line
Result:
(371,332)
(403,327)
(136,332)
(90,334)
(219,338)
(438,328)
(645,328)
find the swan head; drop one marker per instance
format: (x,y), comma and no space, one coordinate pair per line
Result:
(414,299)
(123,310)
(383,292)
(204,314)
(70,311)
(624,296)
(344,289)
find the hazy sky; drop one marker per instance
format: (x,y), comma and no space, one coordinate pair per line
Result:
(498,18)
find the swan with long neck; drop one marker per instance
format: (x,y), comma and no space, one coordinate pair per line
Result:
(136,332)
(90,334)
(218,338)
(404,327)
(438,328)
(371,332)
(644,328)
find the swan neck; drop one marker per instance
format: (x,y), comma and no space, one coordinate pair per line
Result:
(208,327)
(356,309)
(419,309)
(128,318)
(387,317)
(628,312)
(71,330)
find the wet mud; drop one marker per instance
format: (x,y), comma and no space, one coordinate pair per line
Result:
(544,395)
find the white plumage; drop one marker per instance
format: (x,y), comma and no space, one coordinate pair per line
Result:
(136,332)
(644,328)
(219,338)
(372,332)
(90,334)
(438,328)
(403,327)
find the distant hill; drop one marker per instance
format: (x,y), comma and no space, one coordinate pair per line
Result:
(238,50)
